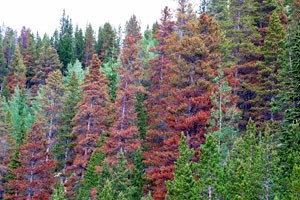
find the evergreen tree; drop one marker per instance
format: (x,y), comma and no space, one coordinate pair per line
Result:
(107,192)
(48,62)
(78,69)
(7,144)
(3,68)
(124,133)
(289,96)
(269,85)
(91,121)
(209,170)
(224,114)
(17,71)
(89,48)
(21,116)
(289,156)
(59,193)
(270,170)
(5,92)
(64,149)
(51,106)
(242,168)
(33,179)
(183,186)
(113,78)
(8,45)
(65,46)
(79,43)
(137,175)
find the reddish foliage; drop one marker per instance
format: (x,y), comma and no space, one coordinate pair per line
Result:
(124,134)
(33,179)
(91,120)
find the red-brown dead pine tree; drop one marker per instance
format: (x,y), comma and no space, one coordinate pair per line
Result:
(33,179)
(124,133)
(155,152)
(195,57)
(91,121)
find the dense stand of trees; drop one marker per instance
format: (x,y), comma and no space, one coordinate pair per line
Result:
(204,105)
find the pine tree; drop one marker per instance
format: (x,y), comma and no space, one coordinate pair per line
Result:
(107,191)
(7,144)
(79,44)
(17,71)
(78,69)
(183,186)
(21,116)
(89,49)
(124,133)
(30,58)
(137,175)
(157,132)
(48,63)
(91,179)
(106,46)
(59,193)
(288,154)
(270,170)
(289,96)
(224,114)
(51,105)
(64,149)
(209,169)
(91,120)
(3,69)
(8,45)
(242,168)
(33,179)
(243,39)
(5,92)
(269,85)
(65,46)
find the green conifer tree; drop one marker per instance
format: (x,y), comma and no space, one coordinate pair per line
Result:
(183,186)
(209,170)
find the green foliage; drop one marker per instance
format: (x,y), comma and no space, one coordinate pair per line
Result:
(183,186)
(4,89)
(65,46)
(107,191)
(294,190)
(137,175)
(289,95)
(64,148)
(289,155)
(113,77)
(224,114)
(209,169)
(78,69)
(242,170)
(59,193)
(21,115)
(142,114)
(119,179)
(79,44)
(268,84)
